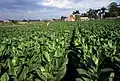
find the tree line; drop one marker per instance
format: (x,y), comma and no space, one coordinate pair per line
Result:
(112,10)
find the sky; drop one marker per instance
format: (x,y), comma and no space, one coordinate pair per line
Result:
(47,9)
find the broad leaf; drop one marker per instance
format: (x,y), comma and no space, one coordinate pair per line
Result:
(4,77)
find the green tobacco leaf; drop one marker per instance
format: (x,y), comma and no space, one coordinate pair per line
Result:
(33,67)
(10,65)
(14,60)
(111,76)
(106,70)
(38,79)
(60,74)
(47,56)
(100,59)
(4,77)
(20,68)
(40,74)
(117,59)
(56,55)
(23,74)
(110,43)
(83,73)
(42,69)
(90,62)
(78,79)
(93,75)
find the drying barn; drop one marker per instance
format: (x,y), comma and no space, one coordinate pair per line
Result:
(76,18)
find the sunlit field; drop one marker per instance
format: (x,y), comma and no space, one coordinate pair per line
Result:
(61,51)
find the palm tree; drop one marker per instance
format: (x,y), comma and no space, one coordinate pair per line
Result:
(96,14)
(90,13)
(76,12)
(103,12)
(103,9)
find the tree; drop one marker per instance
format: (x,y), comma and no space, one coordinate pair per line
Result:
(113,9)
(76,12)
(103,9)
(73,13)
(97,13)
(92,13)
(102,13)
(84,15)
(119,9)
(63,17)
(112,5)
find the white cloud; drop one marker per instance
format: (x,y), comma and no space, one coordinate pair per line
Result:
(56,3)
(82,4)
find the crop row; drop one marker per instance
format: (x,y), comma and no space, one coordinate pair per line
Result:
(64,51)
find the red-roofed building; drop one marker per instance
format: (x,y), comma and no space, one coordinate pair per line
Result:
(73,18)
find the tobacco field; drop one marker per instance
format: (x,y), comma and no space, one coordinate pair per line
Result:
(62,51)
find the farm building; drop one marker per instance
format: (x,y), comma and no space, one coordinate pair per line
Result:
(76,18)
(73,18)
(70,18)
(84,18)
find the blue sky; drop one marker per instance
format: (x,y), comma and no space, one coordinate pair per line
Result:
(46,9)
